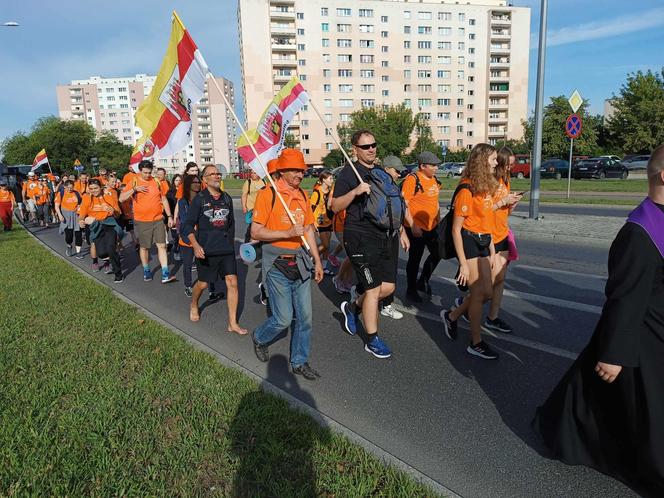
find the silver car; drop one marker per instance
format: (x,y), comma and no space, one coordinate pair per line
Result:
(450,169)
(637,162)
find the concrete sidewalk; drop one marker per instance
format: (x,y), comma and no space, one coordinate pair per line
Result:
(574,228)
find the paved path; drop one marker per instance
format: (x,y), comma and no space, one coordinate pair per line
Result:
(461,421)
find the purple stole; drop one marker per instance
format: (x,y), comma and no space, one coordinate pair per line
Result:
(649,217)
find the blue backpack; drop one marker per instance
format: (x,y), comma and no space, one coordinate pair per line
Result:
(384,206)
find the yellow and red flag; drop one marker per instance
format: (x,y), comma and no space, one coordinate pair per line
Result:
(40,160)
(268,138)
(165,116)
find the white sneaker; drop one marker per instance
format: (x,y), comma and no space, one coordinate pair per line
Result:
(391,312)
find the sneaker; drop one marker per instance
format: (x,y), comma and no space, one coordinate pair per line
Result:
(147,274)
(107,269)
(414,296)
(118,279)
(95,267)
(424,287)
(79,255)
(482,350)
(353,294)
(349,318)
(391,312)
(306,371)
(215,296)
(497,325)
(261,350)
(377,347)
(167,278)
(334,261)
(177,256)
(262,294)
(458,301)
(339,286)
(68,252)
(188,292)
(449,325)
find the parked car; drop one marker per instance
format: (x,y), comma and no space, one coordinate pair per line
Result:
(637,162)
(408,169)
(521,168)
(554,168)
(599,167)
(450,170)
(615,158)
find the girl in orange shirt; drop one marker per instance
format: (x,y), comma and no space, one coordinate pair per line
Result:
(472,230)
(66,206)
(7,205)
(323,217)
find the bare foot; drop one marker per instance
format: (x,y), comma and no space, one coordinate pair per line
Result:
(236,329)
(193,314)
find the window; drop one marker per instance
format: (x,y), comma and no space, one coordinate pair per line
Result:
(406,44)
(346,88)
(383,18)
(444,116)
(406,14)
(325,27)
(300,46)
(444,130)
(366,59)
(444,74)
(384,64)
(424,30)
(499,87)
(345,102)
(327,73)
(109,90)
(460,89)
(323,11)
(300,15)
(444,31)
(123,97)
(305,136)
(471,22)
(406,30)
(471,36)
(444,16)
(327,117)
(406,59)
(445,45)
(423,44)
(462,17)
(367,44)
(368,102)
(344,118)
(110,98)
(305,151)
(366,12)
(300,31)
(471,65)
(367,88)
(385,93)
(471,78)
(302,62)
(344,43)
(326,57)
(327,88)
(444,59)
(443,102)
(460,75)
(366,73)
(385,77)
(345,73)
(461,45)
(122,106)
(460,102)
(406,74)
(406,88)
(471,92)
(444,88)
(425,16)
(384,49)
(325,42)
(462,60)
(344,58)
(343,28)
(122,89)
(424,73)
(471,50)
(424,59)
(459,129)
(344,12)
(469,107)
(462,32)
(327,102)
(366,28)
(424,88)
(406,102)
(383,34)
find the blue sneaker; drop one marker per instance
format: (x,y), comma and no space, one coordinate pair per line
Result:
(377,347)
(147,274)
(166,277)
(349,318)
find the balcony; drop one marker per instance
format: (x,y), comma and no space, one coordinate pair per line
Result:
(282,62)
(280,14)
(500,35)
(499,79)
(499,49)
(501,20)
(501,132)
(283,77)
(498,120)
(499,63)
(283,30)
(288,47)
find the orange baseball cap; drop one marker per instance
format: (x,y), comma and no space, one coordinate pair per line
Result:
(272,165)
(291,159)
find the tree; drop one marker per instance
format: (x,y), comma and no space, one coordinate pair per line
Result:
(554,140)
(637,126)
(290,142)
(110,152)
(391,126)
(334,159)
(424,142)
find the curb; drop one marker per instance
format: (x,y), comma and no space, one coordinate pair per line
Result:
(322,419)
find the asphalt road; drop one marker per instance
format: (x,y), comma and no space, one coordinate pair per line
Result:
(584,210)
(462,421)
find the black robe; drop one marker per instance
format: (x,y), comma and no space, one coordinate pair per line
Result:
(618,428)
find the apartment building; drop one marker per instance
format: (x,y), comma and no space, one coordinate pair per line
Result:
(109,104)
(462,66)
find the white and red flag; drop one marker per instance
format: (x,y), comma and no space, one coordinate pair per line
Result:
(165,115)
(40,159)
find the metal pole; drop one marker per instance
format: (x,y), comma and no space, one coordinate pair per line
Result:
(533,211)
(569,169)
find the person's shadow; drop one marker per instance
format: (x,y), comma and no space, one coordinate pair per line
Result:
(274,448)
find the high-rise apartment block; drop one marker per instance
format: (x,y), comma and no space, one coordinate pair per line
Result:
(462,65)
(109,104)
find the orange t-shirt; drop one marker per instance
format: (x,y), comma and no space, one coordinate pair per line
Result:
(80,187)
(7,196)
(423,204)
(32,189)
(111,194)
(276,218)
(476,209)
(129,176)
(101,179)
(96,207)
(43,195)
(147,206)
(501,226)
(67,200)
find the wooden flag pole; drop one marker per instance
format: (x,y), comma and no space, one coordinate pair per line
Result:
(260,161)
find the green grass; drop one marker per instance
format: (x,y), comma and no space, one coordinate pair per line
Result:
(96,399)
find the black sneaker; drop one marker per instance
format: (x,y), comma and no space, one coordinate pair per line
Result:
(496,325)
(482,350)
(188,291)
(262,294)
(424,287)
(118,279)
(414,296)
(261,350)
(449,325)
(306,371)
(216,296)
(79,255)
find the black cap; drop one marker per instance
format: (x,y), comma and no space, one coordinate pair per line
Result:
(427,157)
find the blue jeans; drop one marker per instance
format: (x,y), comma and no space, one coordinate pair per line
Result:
(289,301)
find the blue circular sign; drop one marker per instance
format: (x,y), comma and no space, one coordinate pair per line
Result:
(573,126)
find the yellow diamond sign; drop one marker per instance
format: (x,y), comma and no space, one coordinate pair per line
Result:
(575,101)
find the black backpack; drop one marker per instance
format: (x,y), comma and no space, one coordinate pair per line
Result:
(384,206)
(418,183)
(444,229)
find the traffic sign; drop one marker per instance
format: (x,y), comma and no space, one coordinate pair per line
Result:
(575,100)
(573,126)
(443,150)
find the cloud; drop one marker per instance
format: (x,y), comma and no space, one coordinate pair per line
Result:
(602,29)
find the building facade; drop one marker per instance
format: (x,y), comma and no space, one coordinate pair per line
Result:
(462,67)
(109,104)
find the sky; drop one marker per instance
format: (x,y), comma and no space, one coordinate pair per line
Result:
(591,46)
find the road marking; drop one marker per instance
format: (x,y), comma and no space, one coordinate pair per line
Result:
(517,266)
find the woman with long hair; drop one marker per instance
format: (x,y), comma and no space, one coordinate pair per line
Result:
(172,201)
(191,186)
(323,216)
(472,229)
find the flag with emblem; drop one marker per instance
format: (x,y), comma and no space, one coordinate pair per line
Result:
(40,159)
(164,117)
(268,138)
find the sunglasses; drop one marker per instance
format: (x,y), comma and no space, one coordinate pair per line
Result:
(367,146)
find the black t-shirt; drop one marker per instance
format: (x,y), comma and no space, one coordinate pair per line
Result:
(347,181)
(214,222)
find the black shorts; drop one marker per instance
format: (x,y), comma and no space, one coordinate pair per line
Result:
(214,268)
(475,245)
(325,229)
(501,246)
(374,259)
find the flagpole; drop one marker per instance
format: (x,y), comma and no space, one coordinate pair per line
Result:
(253,149)
(336,142)
(177,18)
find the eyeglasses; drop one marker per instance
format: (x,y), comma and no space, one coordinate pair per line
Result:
(367,146)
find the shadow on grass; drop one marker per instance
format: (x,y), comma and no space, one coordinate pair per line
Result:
(275,455)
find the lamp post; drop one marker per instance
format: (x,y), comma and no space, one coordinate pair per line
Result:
(533,210)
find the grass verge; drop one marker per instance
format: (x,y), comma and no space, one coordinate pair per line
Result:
(96,399)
